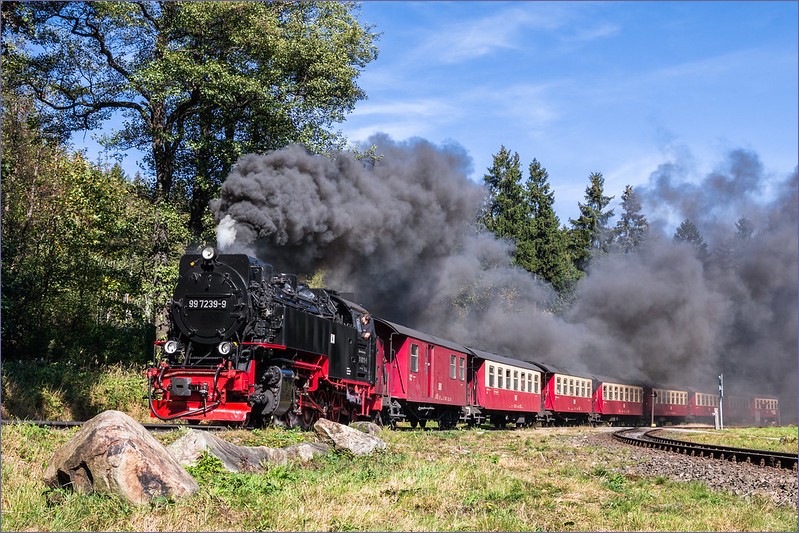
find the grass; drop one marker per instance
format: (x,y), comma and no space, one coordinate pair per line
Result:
(62,391)
(773,439)
(460,480)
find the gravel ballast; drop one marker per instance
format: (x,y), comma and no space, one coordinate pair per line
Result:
(746,480)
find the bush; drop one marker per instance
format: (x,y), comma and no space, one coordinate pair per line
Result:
(33,390)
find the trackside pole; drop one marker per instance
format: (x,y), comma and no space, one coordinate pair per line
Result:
(721,402)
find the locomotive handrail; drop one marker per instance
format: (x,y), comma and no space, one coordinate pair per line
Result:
(205,408)
(264,345)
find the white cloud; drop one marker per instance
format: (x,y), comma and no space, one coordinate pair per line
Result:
(401,119)
(421,108)
(474,38)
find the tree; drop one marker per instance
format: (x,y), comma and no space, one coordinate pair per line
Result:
(504,212)
(632,228)
(590,233)
(86,261)
(198,83)
(728,251)
(688,233)
(542,245)
(744,229)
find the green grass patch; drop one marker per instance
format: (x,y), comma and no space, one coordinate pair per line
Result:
(468,480)
(773,439)
(62,391)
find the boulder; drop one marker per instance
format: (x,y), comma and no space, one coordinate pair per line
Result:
(367,427)
(347,438)
(188,449)
(114,453)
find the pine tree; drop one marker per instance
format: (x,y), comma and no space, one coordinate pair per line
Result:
(632,228)
(744,229)
(504,212)
(590,233)
(688,233)
(542,247)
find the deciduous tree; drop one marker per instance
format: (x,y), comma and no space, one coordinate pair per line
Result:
(197,83)
(87,262)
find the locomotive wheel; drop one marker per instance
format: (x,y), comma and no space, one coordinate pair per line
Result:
(308,418)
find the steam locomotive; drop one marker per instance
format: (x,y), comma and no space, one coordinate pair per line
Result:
(246,345)
(249,346)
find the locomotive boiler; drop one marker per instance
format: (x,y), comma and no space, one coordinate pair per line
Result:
(246,345)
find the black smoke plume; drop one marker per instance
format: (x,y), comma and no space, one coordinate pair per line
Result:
(400,235)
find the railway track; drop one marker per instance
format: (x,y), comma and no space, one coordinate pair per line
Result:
(647,438)
(59,424)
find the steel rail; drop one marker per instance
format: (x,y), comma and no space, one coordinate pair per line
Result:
(726,453)
(62,424)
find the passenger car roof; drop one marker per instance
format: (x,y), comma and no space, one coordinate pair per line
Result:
(547,367)
(426,337)
(489,356)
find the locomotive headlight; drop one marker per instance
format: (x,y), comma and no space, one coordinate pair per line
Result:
(225,347)
(208,253)
(171,347)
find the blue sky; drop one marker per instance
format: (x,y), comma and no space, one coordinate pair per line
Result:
(613,87)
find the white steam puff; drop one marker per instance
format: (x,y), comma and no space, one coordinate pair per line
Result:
(401,237)
(226,233)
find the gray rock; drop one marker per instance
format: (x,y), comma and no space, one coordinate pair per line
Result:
(346,438)
(367,427)
(188,449)
(114,453)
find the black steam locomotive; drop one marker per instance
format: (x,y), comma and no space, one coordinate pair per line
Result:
(245,345)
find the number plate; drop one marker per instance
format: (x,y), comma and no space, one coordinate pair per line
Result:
(207,303)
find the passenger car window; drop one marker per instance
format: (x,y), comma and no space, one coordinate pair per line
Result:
(414,357)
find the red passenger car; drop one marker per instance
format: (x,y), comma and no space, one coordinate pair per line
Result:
(424,377)
(671,405)
(567,395)
(737,410)
(701,406)
(765,411)
(504,390)
(619,403)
